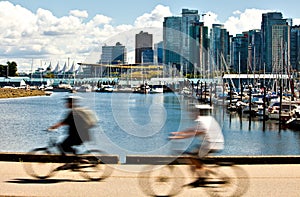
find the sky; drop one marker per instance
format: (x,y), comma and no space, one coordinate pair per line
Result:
(37,33)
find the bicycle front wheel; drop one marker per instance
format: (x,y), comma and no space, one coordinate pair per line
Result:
(41,170)
(92,166)
(226,181)
(164,180)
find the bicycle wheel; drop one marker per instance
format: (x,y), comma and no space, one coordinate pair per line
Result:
(226,181)
(41,170)
(161,181)
(92,166)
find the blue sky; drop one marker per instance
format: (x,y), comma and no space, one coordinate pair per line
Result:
(125,12)
(52,31)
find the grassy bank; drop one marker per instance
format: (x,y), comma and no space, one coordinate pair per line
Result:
(14,93)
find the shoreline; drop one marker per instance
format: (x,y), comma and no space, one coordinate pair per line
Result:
(17,93)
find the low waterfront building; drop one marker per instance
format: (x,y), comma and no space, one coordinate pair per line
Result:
(17,82)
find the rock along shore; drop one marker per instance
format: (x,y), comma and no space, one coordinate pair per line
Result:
(14,93)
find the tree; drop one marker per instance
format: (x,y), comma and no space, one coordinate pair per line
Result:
(2,71)
(12,69)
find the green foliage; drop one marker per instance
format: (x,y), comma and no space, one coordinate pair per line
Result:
(10,69)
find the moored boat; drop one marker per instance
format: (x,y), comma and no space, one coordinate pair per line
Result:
(293,123)
(84,88)
(157,89)
(106,88)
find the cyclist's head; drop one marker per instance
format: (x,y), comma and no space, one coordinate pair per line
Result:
(72,101)
(203,109)
(199,110)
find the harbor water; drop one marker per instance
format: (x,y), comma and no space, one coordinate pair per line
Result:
(137,124)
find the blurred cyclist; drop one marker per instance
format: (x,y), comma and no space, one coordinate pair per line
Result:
(208,129)
(76,133)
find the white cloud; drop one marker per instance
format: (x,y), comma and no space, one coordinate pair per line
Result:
(100,20)
(11,25)
(79,13)
(41,36)
(296,21)
(244,21)
(210,18)
(153,19)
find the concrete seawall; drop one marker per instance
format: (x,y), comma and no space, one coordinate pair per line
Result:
(154,159)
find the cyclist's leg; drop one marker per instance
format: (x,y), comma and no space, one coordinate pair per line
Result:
(197,163)
(67,146)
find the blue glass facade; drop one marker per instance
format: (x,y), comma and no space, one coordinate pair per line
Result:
(275,40)
(239,55)
(219,47)
(172,40)
(179,41)
(295,48)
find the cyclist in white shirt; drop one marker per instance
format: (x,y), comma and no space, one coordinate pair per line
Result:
(208,129)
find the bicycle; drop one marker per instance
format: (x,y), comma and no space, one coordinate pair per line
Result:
(217,178)
(89,163)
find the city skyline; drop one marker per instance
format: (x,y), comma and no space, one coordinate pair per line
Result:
(37,32)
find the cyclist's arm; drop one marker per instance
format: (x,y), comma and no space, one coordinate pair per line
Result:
(66,121)
(59,124)
(191,132)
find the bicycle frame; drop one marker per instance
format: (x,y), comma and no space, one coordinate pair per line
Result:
(218,179)
(88,164)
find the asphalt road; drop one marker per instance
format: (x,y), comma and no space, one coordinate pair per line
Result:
(131,180)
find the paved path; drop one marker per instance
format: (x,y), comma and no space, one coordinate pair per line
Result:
(264,180)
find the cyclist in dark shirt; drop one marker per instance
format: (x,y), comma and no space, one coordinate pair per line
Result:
(73,137)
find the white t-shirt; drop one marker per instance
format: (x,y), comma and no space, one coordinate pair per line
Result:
(213,138)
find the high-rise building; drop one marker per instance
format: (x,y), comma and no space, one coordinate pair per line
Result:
(219,47)
(143,45)
(147,56)
(114,54)
(275,32)
(158,52)
(239,53)
(199,49)
(172,40)
(189,18)
(295,48)
(254,53)
(179,41)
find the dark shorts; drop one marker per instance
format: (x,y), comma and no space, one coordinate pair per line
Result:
(67,144)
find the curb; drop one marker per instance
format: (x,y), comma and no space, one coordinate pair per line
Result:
(27,157)
(154,159)
(241,160)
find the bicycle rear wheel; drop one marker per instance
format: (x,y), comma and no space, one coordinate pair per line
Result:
(92,166)
(41,170)
(226,181)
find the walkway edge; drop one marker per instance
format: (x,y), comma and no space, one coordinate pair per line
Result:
(272,159)
(27,157)
(156,159)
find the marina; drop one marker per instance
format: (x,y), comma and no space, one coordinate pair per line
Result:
(139,124)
